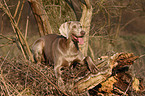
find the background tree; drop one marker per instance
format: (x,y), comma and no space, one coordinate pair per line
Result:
(41,17)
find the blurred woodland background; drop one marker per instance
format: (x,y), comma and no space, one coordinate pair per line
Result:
(116,26)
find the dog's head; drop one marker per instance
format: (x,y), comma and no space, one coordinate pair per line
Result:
(73,30)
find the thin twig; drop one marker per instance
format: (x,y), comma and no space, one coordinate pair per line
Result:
(14,26)
(4,59)
(2,24)
(92,53)
(26,51)
(119,23)
(16,11)
(20,12)
(130,21)
(9,83)
(6,37)
(141,56)
(27,77)
(26,29)
(3,80)
(6,44)
(128,87)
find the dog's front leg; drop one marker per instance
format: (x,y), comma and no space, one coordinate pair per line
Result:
(90,64)
(57,70)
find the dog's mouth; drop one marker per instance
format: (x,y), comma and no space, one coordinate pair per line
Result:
(78,39)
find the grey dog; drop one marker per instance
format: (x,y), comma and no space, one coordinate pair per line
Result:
(62,50)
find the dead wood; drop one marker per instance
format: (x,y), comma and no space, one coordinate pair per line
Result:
(121,81)
(112,76)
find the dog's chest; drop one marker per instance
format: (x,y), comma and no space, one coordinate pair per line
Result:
(71,56)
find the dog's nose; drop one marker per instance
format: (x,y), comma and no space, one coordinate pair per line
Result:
(83,33)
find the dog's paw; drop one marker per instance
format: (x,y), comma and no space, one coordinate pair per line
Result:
(94,69)
(91,65)
(61,83)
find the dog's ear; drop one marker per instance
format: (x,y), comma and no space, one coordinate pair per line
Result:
(64,29)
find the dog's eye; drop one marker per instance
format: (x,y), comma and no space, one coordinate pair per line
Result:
(74,26)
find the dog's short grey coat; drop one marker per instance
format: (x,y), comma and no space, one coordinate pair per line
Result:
(62,50)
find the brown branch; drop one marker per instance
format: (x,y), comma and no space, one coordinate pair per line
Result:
(6,10)
(128,87)
(130,21)
(118,26)
(92,53)
(6,37)
(3,45)
(26,29)
(2,24)
(16,11)
(20,12)
(107,67)
(21,35)
(16,29)
(8,85)
(4,82)
(4,59)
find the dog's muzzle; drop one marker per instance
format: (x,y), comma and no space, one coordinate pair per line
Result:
(79,39)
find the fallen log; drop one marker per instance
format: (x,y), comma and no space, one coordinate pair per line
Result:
(111,78)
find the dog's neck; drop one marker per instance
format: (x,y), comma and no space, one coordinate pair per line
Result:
(72,43)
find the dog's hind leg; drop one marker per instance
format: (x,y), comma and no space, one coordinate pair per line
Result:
(37,50)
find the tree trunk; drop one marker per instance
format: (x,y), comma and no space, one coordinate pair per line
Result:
(41,17)
(86,21)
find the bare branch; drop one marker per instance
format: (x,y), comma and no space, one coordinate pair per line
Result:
(26,29)
(4,82)
(18,32)
(20,12)
(16,11)
(6,37)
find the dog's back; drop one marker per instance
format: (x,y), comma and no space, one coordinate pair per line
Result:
(42,48)
(51,45)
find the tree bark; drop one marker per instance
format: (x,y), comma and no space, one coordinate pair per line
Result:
(86,21)
(41,17)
